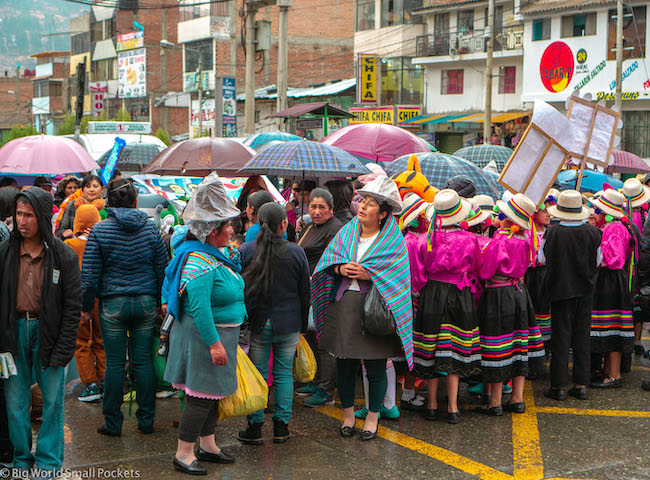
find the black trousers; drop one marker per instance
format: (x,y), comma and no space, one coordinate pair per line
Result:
(6,448)
(571,327)
(199,418)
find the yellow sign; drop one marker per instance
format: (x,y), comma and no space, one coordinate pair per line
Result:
(372,115)
(407,113)
(367,79)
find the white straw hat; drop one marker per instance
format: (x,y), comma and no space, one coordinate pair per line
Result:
(519,209)
(383,189)
(635,192)
(611,202)
(569,207)
(479,215)
(448,208)
(413,207)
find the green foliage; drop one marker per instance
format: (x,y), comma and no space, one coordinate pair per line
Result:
(123,115)
(164,136)
(67,126)
(18,131)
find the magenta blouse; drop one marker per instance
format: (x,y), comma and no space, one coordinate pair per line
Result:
(506,255)
(454,258)
(615,246)
(637,219)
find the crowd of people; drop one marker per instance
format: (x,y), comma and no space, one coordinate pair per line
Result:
(408,293)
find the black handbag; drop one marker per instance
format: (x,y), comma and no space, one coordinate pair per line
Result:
(376,318)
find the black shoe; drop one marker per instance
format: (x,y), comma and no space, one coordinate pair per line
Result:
(194,468)
(7,456)
(368,435)
(556,394)
(221,457)
(252,435)
(579,392)
(145,430)
(432,414)
(163,347)
(347,432)
(496,411)
(280,431)
(645,384)
(519,407)
(453,418)
(105,431)
(608,382)
(638,350)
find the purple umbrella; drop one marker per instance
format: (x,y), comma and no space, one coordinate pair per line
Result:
(44,155)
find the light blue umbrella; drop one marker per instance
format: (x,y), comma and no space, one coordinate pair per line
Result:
(261,138)
(592,181)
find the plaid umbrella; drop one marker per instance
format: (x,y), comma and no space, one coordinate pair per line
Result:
(626,162)
(440,167)
(134,153)
(483,154)
(261,138)
(377,142)
(311,159)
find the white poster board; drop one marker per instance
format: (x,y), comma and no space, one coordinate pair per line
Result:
(132,73)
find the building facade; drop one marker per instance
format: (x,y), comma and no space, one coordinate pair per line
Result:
(49,90)
(15,103)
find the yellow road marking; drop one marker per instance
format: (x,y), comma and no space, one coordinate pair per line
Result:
(589,411)
(529,464)
(67,434)
(640,367)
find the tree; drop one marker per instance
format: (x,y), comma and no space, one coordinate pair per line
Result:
(123,115)
(67,126)
(164,136)
(18,131)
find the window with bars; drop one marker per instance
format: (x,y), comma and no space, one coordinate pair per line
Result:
(466,21)
(192,50)
(636,133)
(579,25)
(365,15)
(191,9)
(451,82)
(541,29)
(507,79)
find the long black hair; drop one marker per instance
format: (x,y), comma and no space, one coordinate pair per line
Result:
(270,250)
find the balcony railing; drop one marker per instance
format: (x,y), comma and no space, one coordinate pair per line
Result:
(506,38)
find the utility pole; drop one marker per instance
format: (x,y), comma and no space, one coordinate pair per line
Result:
(619,55)
(18,87)
(200,90)
(249,106)
(487,123)
(283,56)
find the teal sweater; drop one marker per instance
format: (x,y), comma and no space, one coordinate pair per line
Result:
(225,302)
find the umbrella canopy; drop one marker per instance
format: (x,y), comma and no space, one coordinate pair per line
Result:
(626,162)
(310,159)
(261,138)
(483,154)
(44,155)
(592,181)
(440,167)
(495,180)
(377,142)
(200,156)
(134,153)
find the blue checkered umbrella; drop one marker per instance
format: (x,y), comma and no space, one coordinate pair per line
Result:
(134,153)
(261,138)
(306,158)
(440,167)
(481,155)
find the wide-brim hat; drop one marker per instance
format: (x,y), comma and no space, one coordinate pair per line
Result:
(635,192)
(569,207)
(519,210)
(448,208)
(477,214)
(611,202)
(413,207)
(384,190)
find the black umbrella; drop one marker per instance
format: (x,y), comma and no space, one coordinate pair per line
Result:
(136,154)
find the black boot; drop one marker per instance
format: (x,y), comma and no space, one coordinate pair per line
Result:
(280,431)
(252,435)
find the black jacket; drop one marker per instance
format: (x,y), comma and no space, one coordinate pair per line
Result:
(60,293)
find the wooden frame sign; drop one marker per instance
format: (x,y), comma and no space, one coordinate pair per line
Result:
(534,165)
(597,124)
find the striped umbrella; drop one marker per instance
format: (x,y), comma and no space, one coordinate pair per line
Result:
(483,154)
(440,167)
(377,142)
(626,162)
(261,138)
(307,158)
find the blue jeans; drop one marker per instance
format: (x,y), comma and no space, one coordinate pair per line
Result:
(50,441)
(137,315)
(284,352)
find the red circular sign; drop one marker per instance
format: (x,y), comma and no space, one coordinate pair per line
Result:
(556,67)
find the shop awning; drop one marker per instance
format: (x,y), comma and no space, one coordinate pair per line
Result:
(465,117)
(423,119)
(469,118)
(444,118)
(506,117)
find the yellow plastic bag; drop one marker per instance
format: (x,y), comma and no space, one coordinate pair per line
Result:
(304,365)
(252,393)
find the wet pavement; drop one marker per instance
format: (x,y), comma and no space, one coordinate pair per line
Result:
(606,437)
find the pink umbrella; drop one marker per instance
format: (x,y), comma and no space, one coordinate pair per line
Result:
(376,142)
(44,155)
(626,162)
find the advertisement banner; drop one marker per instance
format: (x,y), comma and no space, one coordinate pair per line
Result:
(372,115)
(190,83)
(208,113)
(367,79)
(132,70)
(406,112)
(130,41)
(98,92)
(119,127)
(229,108)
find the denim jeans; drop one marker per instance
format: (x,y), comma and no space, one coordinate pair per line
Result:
(136,315)
(50,441)
(284,352)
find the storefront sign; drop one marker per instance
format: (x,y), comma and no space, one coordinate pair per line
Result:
(581,58)
(190,83)
(591,75)
(625,96)
(309,123)
(405,113)
(208,113)
(626,73)
(130,41)
(370,115)
(367,79)
(119,127)
(132,69)
(556,67)
(98,91)
(229,107)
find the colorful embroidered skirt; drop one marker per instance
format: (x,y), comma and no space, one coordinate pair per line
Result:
(612,324)
(511,342)
(445,332)
(535,280)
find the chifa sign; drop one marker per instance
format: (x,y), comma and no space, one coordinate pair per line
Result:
(367,84)
(375,115)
